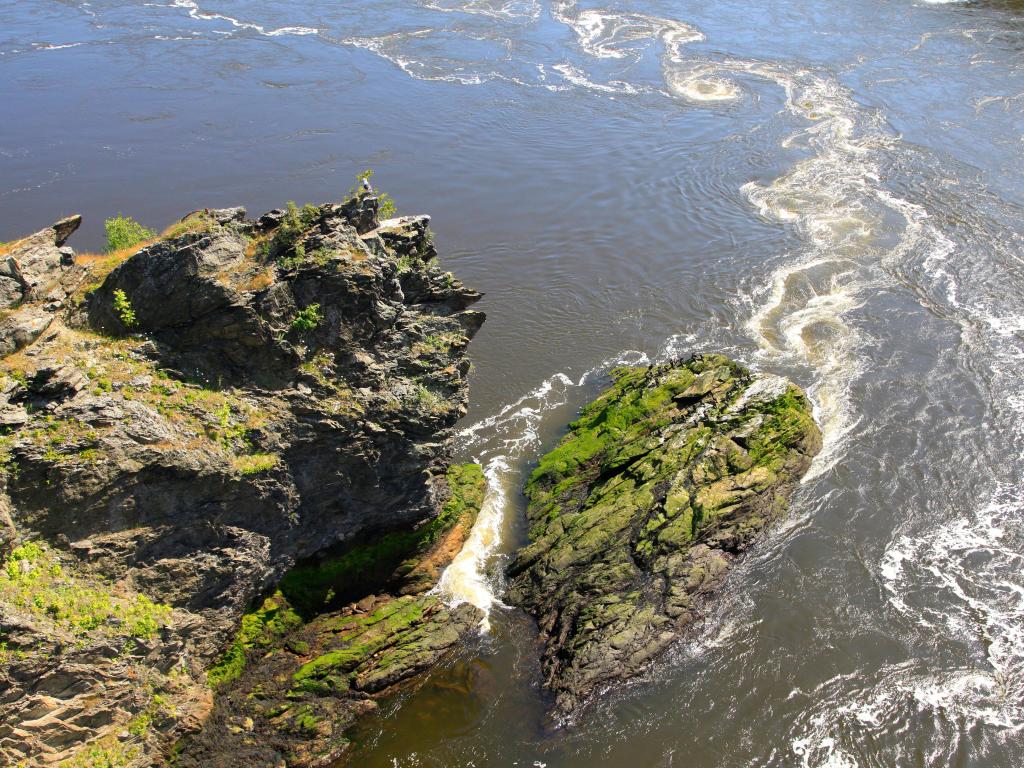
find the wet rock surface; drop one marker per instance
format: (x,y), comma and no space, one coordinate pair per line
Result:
(182,428)
(304,684)
(638,514)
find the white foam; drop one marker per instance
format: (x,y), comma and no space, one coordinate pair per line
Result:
(612,35)
(702,88)
(465,578)
(507,10)
(576,76)
(962,579)
(195,12)
(55,46)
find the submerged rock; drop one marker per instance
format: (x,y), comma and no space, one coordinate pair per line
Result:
(637,515)
(185,425)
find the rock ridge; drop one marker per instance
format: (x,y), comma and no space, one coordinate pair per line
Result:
(638,514)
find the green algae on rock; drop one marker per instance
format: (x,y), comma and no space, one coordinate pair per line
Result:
(638,513)
(290,690)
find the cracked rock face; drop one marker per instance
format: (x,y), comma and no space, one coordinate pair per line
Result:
(640,511)
(230,400)
(36,266)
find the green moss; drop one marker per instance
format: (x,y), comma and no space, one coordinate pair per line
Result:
(312,588)
(642,473)
(260,629)
(305,721)
(788,421)
(360,639)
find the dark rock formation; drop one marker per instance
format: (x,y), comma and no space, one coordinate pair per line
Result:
(303,685)
(234,399)
(639,512)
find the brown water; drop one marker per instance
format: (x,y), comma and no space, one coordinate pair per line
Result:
(827,190)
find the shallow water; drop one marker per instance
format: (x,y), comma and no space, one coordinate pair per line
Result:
(830,191)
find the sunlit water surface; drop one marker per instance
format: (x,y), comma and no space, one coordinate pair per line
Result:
(827,190)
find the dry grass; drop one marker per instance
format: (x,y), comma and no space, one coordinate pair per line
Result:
(257,282)
(6,248)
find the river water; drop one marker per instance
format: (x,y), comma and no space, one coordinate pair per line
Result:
(827,190)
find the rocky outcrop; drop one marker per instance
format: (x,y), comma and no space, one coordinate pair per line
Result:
(186,427)
(640,511)
(302,685)
(36,267)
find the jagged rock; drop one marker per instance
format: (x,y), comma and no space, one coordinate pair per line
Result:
(305,684)
(228,215)
(640,511)
(35,265)
(361,212)
(54,383)
(230,401)
(20,329)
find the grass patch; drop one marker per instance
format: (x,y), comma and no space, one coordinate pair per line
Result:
(255,463)
(430,401)
(104,753)
(34,580)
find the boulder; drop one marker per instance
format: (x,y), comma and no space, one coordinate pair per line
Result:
(20,329)
(638,514)
(36,265)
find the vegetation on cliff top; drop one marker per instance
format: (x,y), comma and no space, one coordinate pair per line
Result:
(34,580)
(125,232)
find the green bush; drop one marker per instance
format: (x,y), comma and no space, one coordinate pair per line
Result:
(123,308)
(385,205)
(308,318)
(124,232)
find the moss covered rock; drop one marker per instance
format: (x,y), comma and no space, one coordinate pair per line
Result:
(637,514)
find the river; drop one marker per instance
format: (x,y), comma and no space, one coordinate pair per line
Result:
(831,191)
